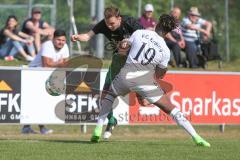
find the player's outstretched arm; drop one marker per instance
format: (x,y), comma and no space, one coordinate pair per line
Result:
(82,37)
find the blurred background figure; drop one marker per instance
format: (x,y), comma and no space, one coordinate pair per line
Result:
(54,53)
(38,28)
(147,20)
(175,40)
(13,41)
(192,26)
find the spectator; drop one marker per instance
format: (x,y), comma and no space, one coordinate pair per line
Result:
(12,41)
(174,39)
(147,20)
(54,53)
(36,27)
(192,26)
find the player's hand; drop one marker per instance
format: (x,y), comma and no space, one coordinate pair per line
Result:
(74,38)
(123,47)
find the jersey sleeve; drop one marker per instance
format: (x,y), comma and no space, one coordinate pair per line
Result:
(98,28)
(131,39)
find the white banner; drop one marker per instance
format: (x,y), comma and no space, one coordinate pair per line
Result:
(37,106)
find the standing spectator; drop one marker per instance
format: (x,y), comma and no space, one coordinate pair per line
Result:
(12,41)
(36,27)
(54,53)
(192,26)
(147,20)
(174,39)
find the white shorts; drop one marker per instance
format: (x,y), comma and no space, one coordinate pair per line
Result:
(140,82)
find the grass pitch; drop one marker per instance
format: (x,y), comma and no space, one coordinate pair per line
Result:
(128,143)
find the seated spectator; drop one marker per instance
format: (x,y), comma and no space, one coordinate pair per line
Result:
(36,27)
(12,41)
(53,53)
(147,20)
(192,26)
(174,39)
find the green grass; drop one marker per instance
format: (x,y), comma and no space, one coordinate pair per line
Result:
(128,143)
(13,63)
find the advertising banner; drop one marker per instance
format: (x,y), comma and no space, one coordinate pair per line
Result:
(38,107)
(82,96)
(204,97)
(10,96)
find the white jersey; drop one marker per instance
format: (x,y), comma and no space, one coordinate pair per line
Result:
(148,50)
(48,50)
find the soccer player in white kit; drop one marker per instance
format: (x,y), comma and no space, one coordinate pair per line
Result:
(148,54)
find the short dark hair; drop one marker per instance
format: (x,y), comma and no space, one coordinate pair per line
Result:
(166,23)
(58,33)
(111,12)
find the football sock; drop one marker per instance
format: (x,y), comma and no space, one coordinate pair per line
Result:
(180,119)
(105,108)
(110,115)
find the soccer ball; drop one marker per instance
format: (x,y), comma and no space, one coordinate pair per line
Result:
(55,86)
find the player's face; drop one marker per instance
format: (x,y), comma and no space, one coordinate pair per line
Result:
(113,23)
(59,42)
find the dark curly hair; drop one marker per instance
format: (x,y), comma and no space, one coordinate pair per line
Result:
(166,23)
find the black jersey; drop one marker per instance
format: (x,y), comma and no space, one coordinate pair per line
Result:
(127,27)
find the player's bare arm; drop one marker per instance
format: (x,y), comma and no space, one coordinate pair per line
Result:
(160,72)
(83,37)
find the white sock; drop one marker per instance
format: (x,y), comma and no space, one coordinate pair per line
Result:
(101,121)
(182,121)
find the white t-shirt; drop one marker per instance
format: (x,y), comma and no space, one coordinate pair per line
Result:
(48,50)
(148,50)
